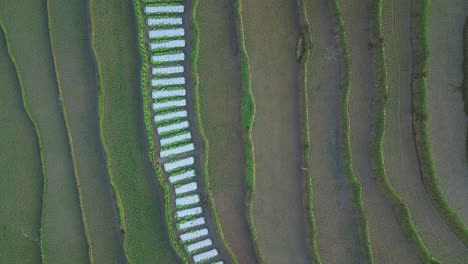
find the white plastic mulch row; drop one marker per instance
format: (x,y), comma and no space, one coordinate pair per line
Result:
(180,177)
(177,164)
(218,262)
(164,9)
(171,115)
(194,234)
(168,81)
(173,127)
(192,223)
(199,245)
(169,57)
(205,255)
(179,43)
(168,93)
(177,150)
(189,187)
(164,21)
(189,212)
(187,200)
(175,139)
(168,104)
(166,33)
(168,70)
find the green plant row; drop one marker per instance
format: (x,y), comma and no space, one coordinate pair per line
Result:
(402,210)
(206,179)
(247,117)
(419,13)
(303,55)
(39,140)
(170,220)
(363,227)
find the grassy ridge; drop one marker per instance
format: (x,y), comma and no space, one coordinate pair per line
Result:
(402,211)
(419,42)
(303,51)
(206,179)
(77,84)
(247,117)
(146,104)
(21,180)
(114,44)
(62,233)
(346,140)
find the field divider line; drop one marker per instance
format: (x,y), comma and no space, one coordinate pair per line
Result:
(346,136)
(70,139)
(309,197)
(403,216)
(248,111)
(199,124)
(419,42)
(37,132)
(163,183)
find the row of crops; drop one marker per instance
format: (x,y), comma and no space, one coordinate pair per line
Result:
(167,43)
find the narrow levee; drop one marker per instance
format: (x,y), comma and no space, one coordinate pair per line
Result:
(336,220)
(387,240)
(115,47)
(21,180)
(271,32)
(62,232)
(220,111)
(447,122)
(401,162)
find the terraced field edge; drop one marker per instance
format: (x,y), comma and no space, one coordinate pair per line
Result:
(206,146)
(419,14)
(164,185)
(303,53)
(247,119)
(363,228)
(403,213)
(70,139)
(38,133)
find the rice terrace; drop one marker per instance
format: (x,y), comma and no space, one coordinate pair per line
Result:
(233,131)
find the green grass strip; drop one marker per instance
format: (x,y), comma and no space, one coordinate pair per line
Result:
(163,183)
(363,227)
(247,118)
(206,146)
(419,14)
(402,210)
(303,51)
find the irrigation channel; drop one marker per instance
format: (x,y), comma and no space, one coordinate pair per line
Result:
(179,150)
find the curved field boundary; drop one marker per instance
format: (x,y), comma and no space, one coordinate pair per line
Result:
(77,246)
(97,206)
(403,213)
(347,156)
(206,146)
(303,51)
(164,185)
(420,123)
(248,116)
(20,169)
(129,166)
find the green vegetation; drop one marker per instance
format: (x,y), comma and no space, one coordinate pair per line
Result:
(20,167)
(400,207)
(346,139)
(247,119)
(420,116)
(206,177)
(302,55)
(114,43)
(62,233)
(77,84)
(225,170)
